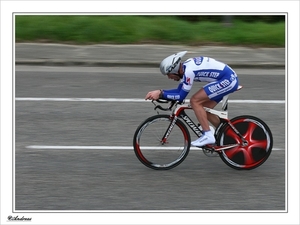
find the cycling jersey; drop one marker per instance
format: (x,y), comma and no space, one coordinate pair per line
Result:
(222,79)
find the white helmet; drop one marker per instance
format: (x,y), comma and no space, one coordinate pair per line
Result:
(171,63)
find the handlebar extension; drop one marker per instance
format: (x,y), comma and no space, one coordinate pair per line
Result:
(173,102)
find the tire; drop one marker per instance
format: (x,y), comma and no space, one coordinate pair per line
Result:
(258,136)
(148,147)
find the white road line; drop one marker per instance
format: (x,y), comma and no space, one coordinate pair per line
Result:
(45,147)
(133,100)
(52,147)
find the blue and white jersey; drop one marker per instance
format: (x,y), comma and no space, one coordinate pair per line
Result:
(205,69)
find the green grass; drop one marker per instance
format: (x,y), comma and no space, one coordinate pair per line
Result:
(144,29)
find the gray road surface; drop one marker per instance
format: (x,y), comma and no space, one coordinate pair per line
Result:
(142,55)
(113,179)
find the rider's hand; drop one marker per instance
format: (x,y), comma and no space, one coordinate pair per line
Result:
(153,95)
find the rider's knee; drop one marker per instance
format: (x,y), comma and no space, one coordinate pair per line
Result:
(195,101)
(192,101)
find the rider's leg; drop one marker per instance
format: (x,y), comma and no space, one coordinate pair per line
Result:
(203,117)
(213,119)
(198,100)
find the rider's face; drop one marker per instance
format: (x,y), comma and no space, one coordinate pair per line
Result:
(173,76)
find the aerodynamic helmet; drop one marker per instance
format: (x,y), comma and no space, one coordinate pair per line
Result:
(171,63)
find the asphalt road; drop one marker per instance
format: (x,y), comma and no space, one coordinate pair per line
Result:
(111,178)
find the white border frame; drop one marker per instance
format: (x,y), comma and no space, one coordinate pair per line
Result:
(118,7)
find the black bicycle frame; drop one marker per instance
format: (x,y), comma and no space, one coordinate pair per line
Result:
(187,120)
(195,128)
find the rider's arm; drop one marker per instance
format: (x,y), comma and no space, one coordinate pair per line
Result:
(175,94)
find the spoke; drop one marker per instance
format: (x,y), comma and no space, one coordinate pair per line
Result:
(233,135)
(249,160)
(232,152)
(259,144)
(249,133)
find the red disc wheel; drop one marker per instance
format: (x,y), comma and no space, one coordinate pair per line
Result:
(259,143)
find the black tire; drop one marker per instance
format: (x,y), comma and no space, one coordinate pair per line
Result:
(260,143)
(148,147)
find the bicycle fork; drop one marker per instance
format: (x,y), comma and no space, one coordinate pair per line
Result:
(169,130)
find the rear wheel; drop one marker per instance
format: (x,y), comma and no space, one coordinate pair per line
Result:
(256,152)
(156,153)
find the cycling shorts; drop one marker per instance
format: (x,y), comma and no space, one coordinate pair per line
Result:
(218,89)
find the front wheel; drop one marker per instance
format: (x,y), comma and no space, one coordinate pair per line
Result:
(153,150)
(259,143)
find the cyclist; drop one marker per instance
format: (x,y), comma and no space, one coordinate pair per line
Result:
(221,79)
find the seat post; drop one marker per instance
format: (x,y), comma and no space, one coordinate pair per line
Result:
(225,103)
(225,99)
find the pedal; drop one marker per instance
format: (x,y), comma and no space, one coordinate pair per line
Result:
(210,151)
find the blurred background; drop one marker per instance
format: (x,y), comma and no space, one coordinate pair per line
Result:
(255,30)
(75,118)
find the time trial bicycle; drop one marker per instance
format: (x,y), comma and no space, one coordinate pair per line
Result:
(162,141)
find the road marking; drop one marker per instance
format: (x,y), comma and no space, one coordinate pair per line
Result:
(66,147)
(45,147)
(133,100)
